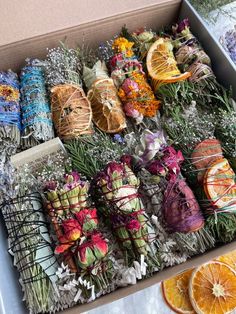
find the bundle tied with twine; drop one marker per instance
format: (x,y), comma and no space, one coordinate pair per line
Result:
(189,54)
(134,90)
(10,122)
(80,243)
(118,189)
(217,191)
(106,106)
(71,110)
(30,245)
(167,196)
(37,123)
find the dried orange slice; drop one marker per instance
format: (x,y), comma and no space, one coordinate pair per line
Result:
(107,109)
(219,184)
(161,63)
(229,259)
(205,153)
(212,289)
(175,292)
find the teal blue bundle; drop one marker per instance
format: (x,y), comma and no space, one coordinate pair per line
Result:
(37,123)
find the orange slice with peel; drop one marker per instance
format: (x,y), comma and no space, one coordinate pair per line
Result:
(205,153)
(229,259)
(161,63)
(175,292)
(107,109)
(219,184)
(212,288)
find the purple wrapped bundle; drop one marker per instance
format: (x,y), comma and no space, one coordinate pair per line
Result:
(180,208)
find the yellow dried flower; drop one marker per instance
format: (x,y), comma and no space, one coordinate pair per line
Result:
(122,45)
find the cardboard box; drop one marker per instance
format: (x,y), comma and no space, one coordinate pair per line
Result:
(29,27)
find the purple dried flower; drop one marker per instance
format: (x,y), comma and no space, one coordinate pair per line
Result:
(182,25)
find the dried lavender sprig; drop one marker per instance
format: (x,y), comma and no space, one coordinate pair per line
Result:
(228,41)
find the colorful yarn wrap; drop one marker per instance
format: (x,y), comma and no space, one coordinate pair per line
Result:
(10,123)
(37,123)
(180,208)
(133,89)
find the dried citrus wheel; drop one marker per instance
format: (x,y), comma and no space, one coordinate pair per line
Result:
(212,289)
(161,63)
(219,184)
(206,152)
(175,292)
(229,259)
(107,109)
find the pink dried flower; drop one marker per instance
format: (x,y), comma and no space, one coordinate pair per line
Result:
(133,225)
(115,60)
(156,168)
(129,85)
(172,160)
(130,111)
(51,186)
(126,159)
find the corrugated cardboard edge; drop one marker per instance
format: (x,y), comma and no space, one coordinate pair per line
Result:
(13,55)
(37,152)
(223,66)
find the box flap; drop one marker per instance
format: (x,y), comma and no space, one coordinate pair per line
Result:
(92,33)
(20,20)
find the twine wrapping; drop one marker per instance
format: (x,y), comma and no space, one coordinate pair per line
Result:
(79,242)
(10,122)
(30,244)
(107,109)
(189,243)
(206,157)
(180,208)
(118,187)
(71,111)
(190,55)
(161,64)
(36,115)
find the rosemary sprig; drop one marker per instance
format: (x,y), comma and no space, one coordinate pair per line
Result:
(90,154)
(222,226)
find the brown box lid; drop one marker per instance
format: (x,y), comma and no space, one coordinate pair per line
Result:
(20,20)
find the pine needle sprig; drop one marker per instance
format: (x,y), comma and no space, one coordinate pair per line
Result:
(222,227)
(90,154)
